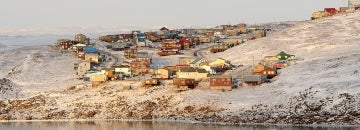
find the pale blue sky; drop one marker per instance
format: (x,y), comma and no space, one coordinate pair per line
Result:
(17,14)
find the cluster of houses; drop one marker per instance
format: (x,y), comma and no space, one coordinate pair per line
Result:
(87,68)
(267,68)
(172,41)
(352,5)
(191,70)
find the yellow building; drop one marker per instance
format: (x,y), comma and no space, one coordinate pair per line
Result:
(192,73)
(219,63)
(92,57)
(162,74)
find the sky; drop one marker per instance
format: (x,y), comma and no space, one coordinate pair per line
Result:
(72,14)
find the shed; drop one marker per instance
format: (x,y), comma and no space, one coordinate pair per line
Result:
(222,82)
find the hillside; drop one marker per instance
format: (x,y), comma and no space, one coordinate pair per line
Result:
(323,87)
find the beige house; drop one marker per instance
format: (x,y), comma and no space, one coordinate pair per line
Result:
(271,59)
(192,73)
(83,68)
(92,57)
(219,63)
(162,74)
(98,78)
(126,70)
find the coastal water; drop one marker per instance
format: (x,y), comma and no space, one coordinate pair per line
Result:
(143,125)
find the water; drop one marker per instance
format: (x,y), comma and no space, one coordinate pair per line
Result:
(141,125)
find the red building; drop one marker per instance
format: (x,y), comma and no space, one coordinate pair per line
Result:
(222,82)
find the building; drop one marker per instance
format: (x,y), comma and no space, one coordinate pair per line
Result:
(184,84)
(162,74)
(82,68)
(271,58)
(284,56)
(220,63)
(81,38)
(221,82)
(90,57)
(186,60)
(192,73)
(198,62)
(123,69)
(260,69)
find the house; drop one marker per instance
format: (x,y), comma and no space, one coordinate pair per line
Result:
(220,63)
(117,46)
(192,73)
(66,44)
(235,41)
(82,68)
(143,58)
(91,57)
(198,62)
(123,69)
(343,9)
(185,43)
(271,58)
(254,79)
(211,70)
(184,84)
(260,69)
(141,54)
(81,38)
(330,11)
(221,82)
(130,53)
(284,56)
(164,29)
(91,50)
(98,78)
(162,74)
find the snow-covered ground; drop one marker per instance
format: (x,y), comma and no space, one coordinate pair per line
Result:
(9,42)
(322,87)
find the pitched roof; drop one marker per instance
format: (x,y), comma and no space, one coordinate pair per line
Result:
(201,70)
(221,76)
(197,60)
(188,69)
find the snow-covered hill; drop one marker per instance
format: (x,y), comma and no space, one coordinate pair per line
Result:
(322,87)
